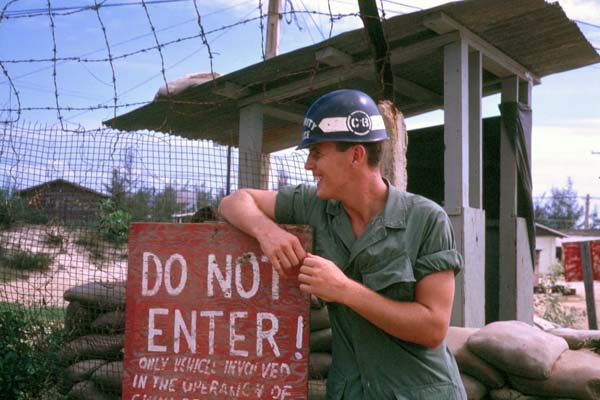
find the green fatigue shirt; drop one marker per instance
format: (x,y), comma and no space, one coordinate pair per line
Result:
(411,238)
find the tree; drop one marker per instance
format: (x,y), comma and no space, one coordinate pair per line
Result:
(139,205)
(561,210)
(165,205)
(119,189)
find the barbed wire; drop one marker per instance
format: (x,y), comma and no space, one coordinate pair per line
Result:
(204,35)
(110,61)
(161,45)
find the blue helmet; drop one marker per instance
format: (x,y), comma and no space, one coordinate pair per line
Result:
(344,115)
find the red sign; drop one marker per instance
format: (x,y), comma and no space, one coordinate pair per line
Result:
(572,260)
(207,317)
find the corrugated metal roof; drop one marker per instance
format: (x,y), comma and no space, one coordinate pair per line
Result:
(535,34)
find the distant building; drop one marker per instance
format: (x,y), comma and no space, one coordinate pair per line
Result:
(64,201)
(547,246)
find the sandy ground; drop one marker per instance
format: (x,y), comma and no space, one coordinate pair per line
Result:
(72,266)
(578,301)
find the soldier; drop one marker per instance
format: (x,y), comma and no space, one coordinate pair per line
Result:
(384,260)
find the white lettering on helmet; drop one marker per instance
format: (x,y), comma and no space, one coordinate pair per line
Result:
(309,124)
(355,125)
(359,123)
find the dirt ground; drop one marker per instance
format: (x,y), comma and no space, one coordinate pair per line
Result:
(578,301)
(72,266)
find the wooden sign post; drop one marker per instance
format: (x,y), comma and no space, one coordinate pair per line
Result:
(207,317)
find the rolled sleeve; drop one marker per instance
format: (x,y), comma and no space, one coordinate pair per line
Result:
(438,252)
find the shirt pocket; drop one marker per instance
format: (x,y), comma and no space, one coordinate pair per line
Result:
(393,278)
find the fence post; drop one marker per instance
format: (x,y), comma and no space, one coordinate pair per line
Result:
(588,281)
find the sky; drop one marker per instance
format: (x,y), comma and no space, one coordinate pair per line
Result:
(83,83)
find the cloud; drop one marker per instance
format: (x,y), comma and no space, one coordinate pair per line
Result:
(583,10)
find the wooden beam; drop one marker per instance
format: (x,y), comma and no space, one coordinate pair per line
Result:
(588,283)
(495,61)
(403,54)
(291,114)
(320,80)
(230,90)
(341,73)
(508,284)
(456,121)
(410,89)
(475,135)
(250,165)
(333,57)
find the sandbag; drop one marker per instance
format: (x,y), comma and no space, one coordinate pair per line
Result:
(316,302)
(318,365)
(317,389)
(79,372)
(78,319)
(475,389)
(110,322)
(98,295)
(107,347)
(507,393)
(576,338)
(319,319)
(320,341)
(576,374)
(86,390)
(517,348)
(468,362)
(109,376)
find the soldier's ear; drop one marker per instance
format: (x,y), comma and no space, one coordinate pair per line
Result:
(359,154)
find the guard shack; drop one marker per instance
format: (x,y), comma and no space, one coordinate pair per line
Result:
(446,58)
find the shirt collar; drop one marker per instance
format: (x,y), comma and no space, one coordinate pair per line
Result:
(394,213)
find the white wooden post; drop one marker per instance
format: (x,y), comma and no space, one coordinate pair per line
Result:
(515,272)
(468,223)
(475,141)
(456,123)
(251,168)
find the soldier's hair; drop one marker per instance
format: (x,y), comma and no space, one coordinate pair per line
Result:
(374,150)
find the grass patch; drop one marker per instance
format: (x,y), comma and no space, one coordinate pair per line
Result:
(45,313)
(24,260)
(9,274)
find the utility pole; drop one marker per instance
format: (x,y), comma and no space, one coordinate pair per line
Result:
(272,45)
(586,221)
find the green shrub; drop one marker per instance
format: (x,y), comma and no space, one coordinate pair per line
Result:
(29,354)
(15,209)
(114,223)
(26,260)
(550,301)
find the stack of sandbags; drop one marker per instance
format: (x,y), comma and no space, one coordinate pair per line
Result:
(513,360)
(319,349)
(93,354)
